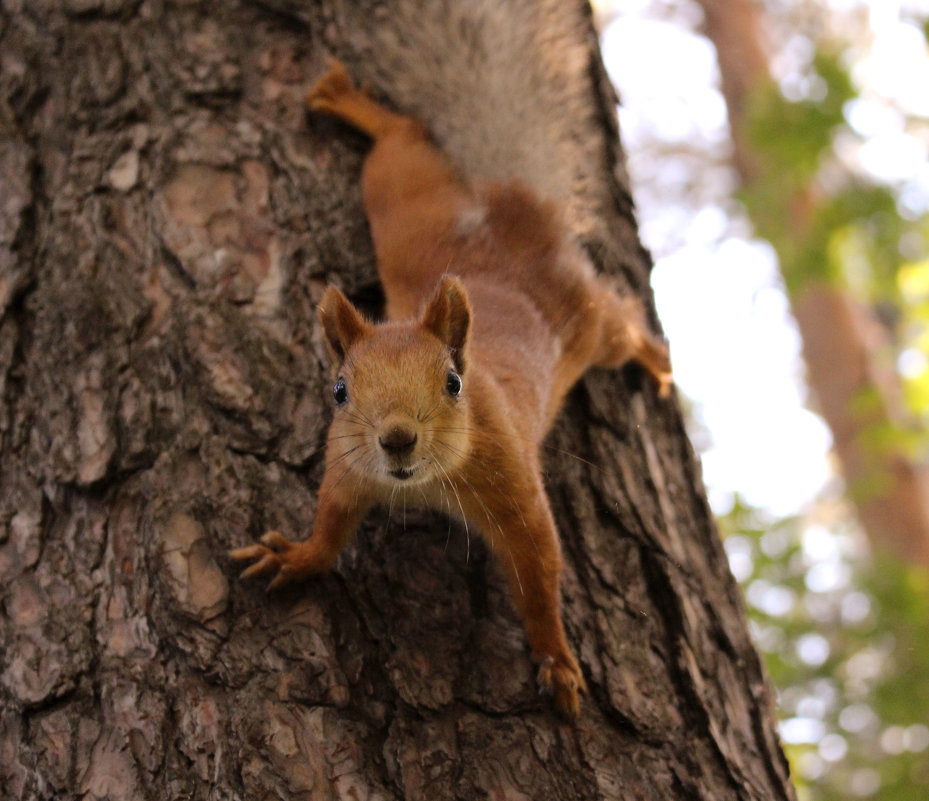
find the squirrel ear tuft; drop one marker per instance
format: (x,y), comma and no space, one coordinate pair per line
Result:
(342,323)
(448,316)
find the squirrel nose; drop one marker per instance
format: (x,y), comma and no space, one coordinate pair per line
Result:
(398,441)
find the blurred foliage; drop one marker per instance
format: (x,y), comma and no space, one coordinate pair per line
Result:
(845,634)
(849,235)
(846,641)
(795,135)
(913,282)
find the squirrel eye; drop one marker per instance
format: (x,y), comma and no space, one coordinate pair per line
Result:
(340,392)
(453,383)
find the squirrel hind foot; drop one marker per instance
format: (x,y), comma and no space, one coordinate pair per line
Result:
(336,94)
(332,86)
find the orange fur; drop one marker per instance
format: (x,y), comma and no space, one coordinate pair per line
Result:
(484,284)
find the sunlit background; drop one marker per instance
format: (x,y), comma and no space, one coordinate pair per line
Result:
(842,622)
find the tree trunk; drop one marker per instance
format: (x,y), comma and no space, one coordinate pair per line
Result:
(170,220)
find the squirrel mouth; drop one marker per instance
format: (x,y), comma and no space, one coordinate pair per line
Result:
(402,473)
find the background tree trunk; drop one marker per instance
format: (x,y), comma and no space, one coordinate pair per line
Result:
(845,345)
(169,222)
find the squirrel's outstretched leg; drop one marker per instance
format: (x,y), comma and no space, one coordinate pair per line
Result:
(627,337)
(338,514)
(335,94)
(413,195)
(526,544)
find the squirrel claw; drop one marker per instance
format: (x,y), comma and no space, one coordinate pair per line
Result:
(270,556)
(333,84)
(278,557)
(247,552)
(562,678)
(267,564)
(284,576)
(276,540)
(665,382)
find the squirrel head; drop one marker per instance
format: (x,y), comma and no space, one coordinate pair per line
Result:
(401,393)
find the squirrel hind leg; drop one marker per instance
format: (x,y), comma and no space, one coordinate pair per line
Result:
(626,337)
(653,355)
(335,94)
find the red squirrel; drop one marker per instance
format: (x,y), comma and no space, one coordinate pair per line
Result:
(493,313)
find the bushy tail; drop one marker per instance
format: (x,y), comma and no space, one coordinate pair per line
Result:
(505,87)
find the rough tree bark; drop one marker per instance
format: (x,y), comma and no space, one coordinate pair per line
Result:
(169,220)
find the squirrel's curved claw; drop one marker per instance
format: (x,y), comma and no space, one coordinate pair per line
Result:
(269,555)
(284,576)
(334,84)
(284,561)
(276,540)
(665,382)
(562,678)
(268,563)
(247,552)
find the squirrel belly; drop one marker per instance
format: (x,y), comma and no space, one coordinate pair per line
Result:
(493,314)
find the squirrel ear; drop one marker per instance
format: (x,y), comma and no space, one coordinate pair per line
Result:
(341,321)
(448,316)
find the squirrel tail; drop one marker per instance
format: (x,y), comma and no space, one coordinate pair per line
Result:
(504,86)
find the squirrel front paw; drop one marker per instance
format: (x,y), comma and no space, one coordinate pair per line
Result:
(561,677)
(287,561)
